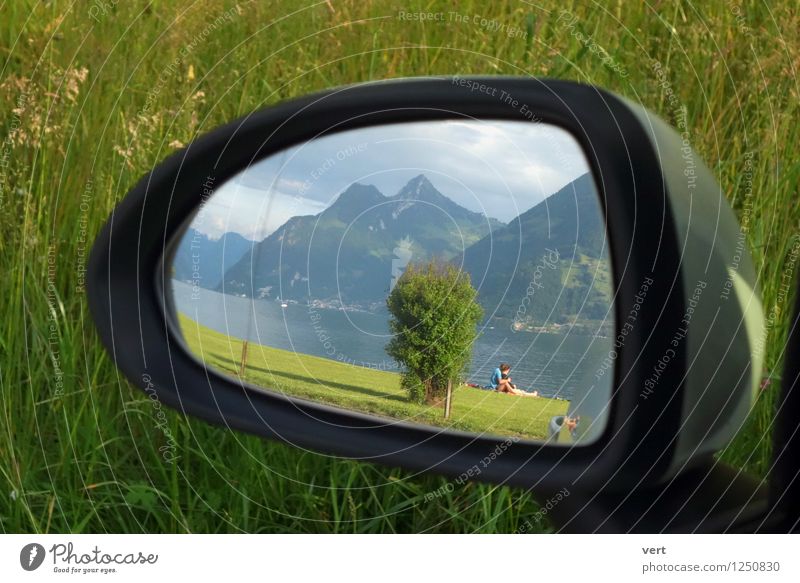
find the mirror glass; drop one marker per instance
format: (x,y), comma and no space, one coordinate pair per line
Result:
(393,269)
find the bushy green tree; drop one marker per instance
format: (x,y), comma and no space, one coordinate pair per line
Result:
(435,314)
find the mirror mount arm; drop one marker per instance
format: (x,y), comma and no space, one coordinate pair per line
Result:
(785,471)
(743,503)
(710,498)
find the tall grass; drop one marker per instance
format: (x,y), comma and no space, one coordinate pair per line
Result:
(89,104)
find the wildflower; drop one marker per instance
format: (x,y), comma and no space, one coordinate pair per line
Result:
(74,79)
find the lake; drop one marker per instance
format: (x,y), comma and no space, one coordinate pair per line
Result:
(553,364)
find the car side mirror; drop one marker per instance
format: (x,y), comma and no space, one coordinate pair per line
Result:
(337,270)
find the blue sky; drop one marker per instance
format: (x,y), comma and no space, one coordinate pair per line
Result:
(498,168)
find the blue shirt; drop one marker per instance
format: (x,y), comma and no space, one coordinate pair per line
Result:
(496,376)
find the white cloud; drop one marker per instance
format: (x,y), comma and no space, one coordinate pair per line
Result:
(495,167)
(252,212)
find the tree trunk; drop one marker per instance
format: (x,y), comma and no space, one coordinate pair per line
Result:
(435,395)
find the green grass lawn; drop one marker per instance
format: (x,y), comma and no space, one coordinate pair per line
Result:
(91,102)
(371,391)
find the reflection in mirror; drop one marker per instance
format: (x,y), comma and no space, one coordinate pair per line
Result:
(448,273)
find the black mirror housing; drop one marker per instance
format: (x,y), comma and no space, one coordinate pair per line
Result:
(689,332)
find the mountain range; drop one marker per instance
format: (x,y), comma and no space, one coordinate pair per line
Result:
(203,261)
(555,254)
(354,250)
(347,251)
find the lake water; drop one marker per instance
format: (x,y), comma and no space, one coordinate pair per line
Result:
(553,364)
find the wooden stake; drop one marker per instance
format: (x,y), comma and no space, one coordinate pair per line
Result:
(448,400)
(243,364)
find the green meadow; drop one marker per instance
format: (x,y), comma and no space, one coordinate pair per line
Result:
(94,94)
(363,389)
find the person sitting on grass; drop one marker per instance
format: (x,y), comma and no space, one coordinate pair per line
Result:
(501,383)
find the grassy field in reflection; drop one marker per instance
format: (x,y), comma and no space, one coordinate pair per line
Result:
(367,390)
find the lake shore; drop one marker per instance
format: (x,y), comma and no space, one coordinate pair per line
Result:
(368,390)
